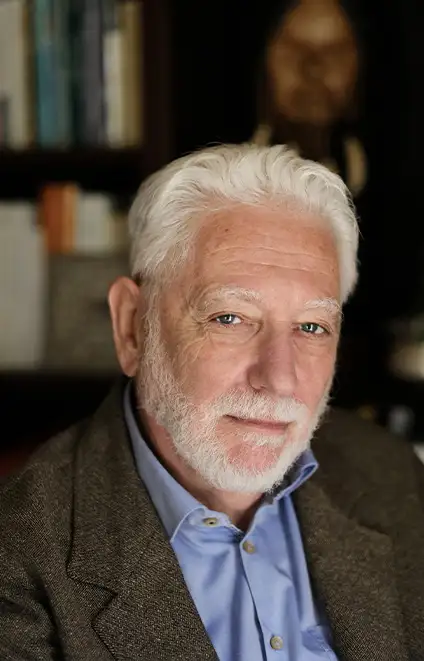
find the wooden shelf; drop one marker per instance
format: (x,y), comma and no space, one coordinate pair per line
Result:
(10,377)
(119,171)
(38,404)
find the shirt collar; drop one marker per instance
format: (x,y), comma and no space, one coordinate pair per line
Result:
(173,503)
(302,470)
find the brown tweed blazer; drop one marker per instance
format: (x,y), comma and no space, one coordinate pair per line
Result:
(87,574)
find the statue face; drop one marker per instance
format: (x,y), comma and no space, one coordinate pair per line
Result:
(312,63)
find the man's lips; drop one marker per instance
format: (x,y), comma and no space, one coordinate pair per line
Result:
(261,425)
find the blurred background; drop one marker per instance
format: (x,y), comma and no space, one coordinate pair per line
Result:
(97,94)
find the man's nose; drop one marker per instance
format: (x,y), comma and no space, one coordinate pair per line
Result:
(274,366)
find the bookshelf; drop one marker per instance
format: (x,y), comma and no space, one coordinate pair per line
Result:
(36,406)
(119,168)
(50,399)
(23,172)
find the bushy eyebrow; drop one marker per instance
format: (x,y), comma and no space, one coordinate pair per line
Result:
(228,293)
(330,305)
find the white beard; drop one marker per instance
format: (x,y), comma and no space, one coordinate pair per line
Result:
(193,428)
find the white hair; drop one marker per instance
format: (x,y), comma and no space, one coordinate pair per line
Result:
(170,203)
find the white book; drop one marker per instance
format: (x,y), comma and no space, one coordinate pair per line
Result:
(94,232)
(419,449)
(112,71)
(23,287)
(14,72)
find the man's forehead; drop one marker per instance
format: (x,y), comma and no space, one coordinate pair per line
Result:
(256,226)
(236,249)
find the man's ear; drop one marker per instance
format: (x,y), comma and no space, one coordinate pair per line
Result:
(124,305)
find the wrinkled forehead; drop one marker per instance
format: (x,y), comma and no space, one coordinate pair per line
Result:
(250,240)
(282,227)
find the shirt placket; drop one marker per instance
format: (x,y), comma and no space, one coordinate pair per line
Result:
(255,563)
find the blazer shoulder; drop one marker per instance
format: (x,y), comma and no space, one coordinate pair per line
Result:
(342,425)
(366,448)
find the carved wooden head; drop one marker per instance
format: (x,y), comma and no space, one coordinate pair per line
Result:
(311,63)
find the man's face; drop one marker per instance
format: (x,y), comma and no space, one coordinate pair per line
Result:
(312,64)
(239,356)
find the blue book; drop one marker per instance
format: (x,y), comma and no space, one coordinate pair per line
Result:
(46,93)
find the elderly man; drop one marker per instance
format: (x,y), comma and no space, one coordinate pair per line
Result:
(189,519)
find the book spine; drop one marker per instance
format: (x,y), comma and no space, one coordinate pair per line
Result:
(131,17)
(61,47)
(93,128)
(30,73)
(93,234)
(57,215)
(76,64)
(112,71)
(14,72)
(22,307)
(4,120)
(47,134)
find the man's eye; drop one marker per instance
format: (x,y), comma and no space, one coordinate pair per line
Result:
(312,329)
(227,320)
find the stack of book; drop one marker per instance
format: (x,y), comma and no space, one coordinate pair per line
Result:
(58,258)
(78,222)
(71,73)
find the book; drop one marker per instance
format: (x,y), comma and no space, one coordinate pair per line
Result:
(23,287)
(14,74)
(57,213)
(132,70)
(78,222)
(113,44)
(62,71)
(86,35)
(45,77)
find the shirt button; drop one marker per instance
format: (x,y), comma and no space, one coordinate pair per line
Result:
(248,547)
(276,643)
(210,521)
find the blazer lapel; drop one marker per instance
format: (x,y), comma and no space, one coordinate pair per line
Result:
(153,616)
(405,519)
(352,571)
(144,610)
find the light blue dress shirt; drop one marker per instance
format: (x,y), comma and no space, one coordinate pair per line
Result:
(252,590)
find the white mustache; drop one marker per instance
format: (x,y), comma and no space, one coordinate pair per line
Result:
(260,407)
